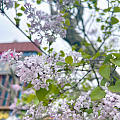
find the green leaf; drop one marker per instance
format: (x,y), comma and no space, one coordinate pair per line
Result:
(28,25)
(105,71)
(50,50)
(60,63)
(30,98)
(54,89)
(116,55)
(99,39)
(103,81)
(22,8)
(28,86)
(75,47)
(17,20)
(19,14)
(116,62)
(107,10)
(61,1)
(38,1)
(107,58)
(67,22)
(49,81)
(16,5)
(65,14)
(36,101)
(89,111)
(116,87)
(114,20)
(98,19)
(97,94)
(116,9)
(89,5)
(85,55)
(96,55)
(77,3)
(62,53)
(102,27)
(75,64)
(41,94)
(69,60)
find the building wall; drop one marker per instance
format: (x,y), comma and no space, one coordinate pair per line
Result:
(6,80)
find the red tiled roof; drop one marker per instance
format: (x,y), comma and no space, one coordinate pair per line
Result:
(18,47)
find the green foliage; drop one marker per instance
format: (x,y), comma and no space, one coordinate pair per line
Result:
(84,54)
(41,94)
(28,25)
(17,20)
(62,54)
(105,71)
(19,14)
(102,27)
(16,5)
(28,86)
(103,82)
(116,62)
(22,8)
(107,58)
(98,19)
(96,55)
(28,98)
(114,20)
(116,87)
(99,39)
(108,9)
(61,1)
(116,9)
(67,22)
(76,3)
(97,94)
(60,63)
(54,89)
(38,1)
(69,60)
(89,111)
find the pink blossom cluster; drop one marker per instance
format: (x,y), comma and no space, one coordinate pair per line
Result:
(37,70)
(35,112)
(83,101)
(108,107)
(43,25)
(10,55)
(64,112)
(18,107)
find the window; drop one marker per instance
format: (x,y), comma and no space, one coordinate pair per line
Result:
(5,98)
(3,79)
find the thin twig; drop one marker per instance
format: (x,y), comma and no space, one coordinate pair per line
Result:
(85,35)
(92,66)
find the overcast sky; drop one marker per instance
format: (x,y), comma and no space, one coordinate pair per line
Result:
(9,33)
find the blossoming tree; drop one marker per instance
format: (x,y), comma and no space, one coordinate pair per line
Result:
(59,85)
